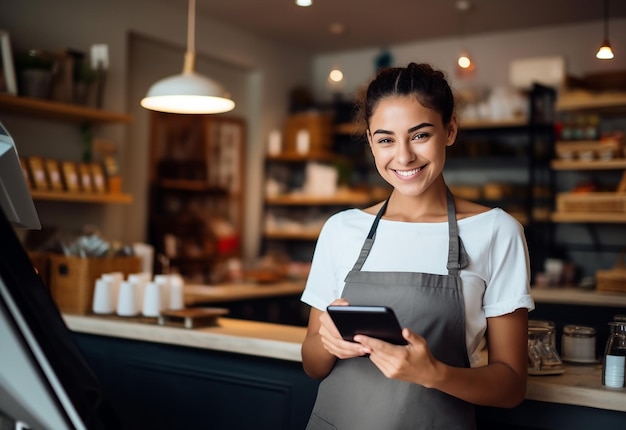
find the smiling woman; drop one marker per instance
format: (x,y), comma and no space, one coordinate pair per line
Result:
(451,270)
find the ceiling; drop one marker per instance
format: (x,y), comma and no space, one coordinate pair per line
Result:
(380,23)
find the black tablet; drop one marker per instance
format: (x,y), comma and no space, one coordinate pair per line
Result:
(374,321)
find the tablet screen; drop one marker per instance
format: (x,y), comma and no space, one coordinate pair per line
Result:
(374,321)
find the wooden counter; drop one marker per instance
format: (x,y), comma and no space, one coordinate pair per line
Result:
(195,294)
(578,296)
(579,385)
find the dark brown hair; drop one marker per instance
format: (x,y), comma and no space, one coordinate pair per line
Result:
(428,85)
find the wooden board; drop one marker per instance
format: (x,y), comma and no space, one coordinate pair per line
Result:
(191,318)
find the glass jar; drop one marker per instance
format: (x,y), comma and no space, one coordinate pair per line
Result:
(547,324)
(542,356)
(578,344)
(614,362)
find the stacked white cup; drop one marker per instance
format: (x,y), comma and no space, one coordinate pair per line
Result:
(138,294)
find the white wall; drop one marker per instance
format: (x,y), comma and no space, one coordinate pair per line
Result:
(270,72)
(492,54)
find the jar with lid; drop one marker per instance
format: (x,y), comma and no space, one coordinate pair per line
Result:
(578,344)
(614,362)
(542,356)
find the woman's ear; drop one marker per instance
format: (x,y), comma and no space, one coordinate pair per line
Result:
(452,131)
(369,139)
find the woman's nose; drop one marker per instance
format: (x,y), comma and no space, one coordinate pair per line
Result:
(404,153)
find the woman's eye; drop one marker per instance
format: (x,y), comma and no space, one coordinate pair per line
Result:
(385,140)
(421,136)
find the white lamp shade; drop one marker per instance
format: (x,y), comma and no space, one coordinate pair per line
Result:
(605,52)
(188,92)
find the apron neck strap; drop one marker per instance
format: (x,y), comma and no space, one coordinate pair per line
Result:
(457,257)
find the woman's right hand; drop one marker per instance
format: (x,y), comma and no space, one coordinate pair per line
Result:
(332,340)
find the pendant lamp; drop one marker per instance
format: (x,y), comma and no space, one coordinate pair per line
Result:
(605,52)
(189,92)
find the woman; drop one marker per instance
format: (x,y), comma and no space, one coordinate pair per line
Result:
(452,270)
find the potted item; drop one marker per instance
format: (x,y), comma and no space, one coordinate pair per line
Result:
(36,73)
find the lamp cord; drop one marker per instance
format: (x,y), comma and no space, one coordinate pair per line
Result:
(606,19)
(190,55)
(191,26)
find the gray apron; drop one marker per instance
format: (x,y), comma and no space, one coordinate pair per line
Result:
(356,395)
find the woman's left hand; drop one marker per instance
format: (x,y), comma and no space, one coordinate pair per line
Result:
(412,363)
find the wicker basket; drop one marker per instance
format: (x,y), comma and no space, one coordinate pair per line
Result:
(613,280)
(72,279)
(592,202)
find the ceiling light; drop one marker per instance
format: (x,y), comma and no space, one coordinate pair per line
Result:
(464,61)
(188,92)
(335,75)
(465,64)
(605,52)
(304,3)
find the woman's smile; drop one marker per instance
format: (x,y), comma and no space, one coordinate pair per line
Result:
(408,174)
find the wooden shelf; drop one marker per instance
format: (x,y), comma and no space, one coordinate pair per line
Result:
(591,217)
(615,164)
(477,124)
(584,100)
(300,158)
(60,196)
(189,185)
(338,199)
(292,235)
(59,111)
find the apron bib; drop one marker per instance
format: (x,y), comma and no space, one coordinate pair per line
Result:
(356,395)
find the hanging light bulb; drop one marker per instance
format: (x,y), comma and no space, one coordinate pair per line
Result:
(335,75)
(464,62)
(188,92)
(605,52)
(304,3)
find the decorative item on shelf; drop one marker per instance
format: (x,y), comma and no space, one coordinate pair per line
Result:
(105,151)
(53,173)
(99,56)
(38,173)
(8,83)
(70,176)
(36,71)
(308,133)
(188,92)
(85,179)
(24,166)
(613,280)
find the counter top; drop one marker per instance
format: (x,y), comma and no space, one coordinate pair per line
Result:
(578,296)
(195,294)
(579,385)
(229,335)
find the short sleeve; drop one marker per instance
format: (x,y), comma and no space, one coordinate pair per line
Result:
(508,288)
(322,285)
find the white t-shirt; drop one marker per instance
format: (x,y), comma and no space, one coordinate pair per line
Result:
(495,282)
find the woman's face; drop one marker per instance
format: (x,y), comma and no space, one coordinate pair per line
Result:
(409,143)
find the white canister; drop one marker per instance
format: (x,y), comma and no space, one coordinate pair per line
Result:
(578,344)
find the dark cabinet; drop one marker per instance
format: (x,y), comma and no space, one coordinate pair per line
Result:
(196,192)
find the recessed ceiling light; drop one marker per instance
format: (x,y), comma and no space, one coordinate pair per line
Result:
(304,3)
